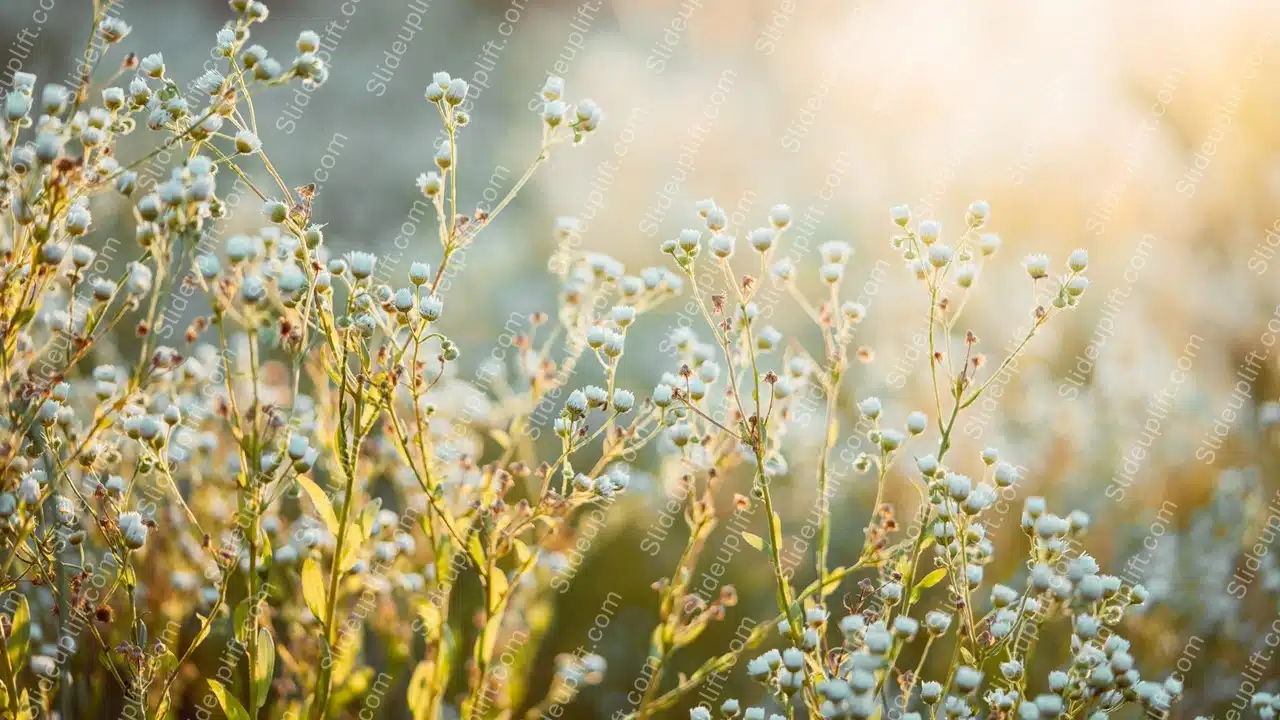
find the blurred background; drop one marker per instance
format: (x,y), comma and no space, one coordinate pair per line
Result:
(1147,133)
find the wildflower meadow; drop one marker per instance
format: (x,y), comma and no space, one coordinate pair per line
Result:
(366,423)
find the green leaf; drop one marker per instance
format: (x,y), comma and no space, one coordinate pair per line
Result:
(753,540)
(521,549)
(239,621)
(16,644)
(24,706)
(344,655)
(931,579)
(419,684)
(351,549)
(476,550)
(165,663)
(927,582)
(497,587)
(321,501)
(24,316)
(231,707)
(968,656)
(205,627)
(268,558)
(313,588)
(369,515)
(501,437)
(265,667)
(776,531)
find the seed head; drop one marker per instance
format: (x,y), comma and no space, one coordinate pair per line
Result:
(780,216)
(247,143)
(152,65)
(870,408)
(308,41)
(431,307)
(132,530)
(553,88)
(930,231)
(553,112)
(762,238)
(623,400)
(456,92)
(362,264)
(940,255)
(1078,260)
(1037,265)
(430,183)
(977,214)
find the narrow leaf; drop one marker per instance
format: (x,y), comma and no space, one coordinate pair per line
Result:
(24,707)
(265,667)
(931,579)
(239,621)
(313,588)
(419,690)
(476,551)
(777,531)
(753,540)
(522,550)
(321,501)
(19,635)
(231,707)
